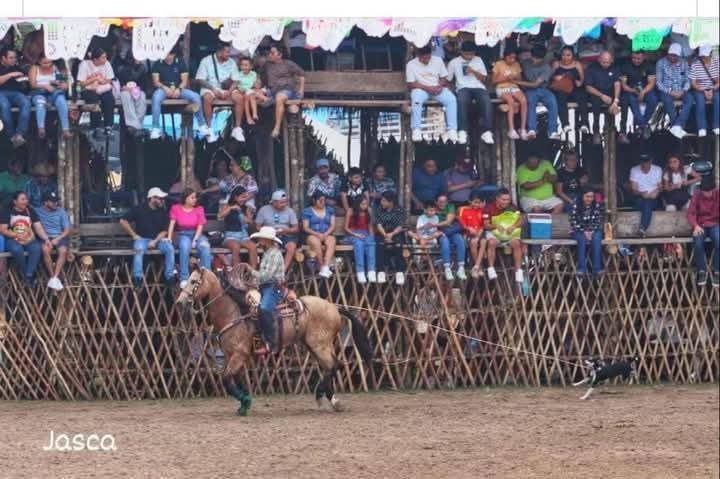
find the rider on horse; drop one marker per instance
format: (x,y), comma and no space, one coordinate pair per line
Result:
(270,279)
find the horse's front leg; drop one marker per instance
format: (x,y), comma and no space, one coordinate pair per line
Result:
(233,386)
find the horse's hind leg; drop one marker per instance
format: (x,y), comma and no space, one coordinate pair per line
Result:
(233,386)
(325,356)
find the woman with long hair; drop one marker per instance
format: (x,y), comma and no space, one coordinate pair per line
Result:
(358,223)
(49,87)
(237,218)
(318,222)
(586,227)
(568,84)
(189,221)
(23,233)
(95,75)
(676,183)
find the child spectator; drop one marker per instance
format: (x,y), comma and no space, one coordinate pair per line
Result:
(676,183)
(319,224)
(353,188)
(505,73)
(390,222)
(190,221)
(452,232)
(586,226)
(472,218)
(237,218)
(427,234)
(56,223)
(249,85)
(357,228)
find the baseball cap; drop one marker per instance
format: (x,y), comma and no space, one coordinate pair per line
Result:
(464,161)
(278,195)
(675,49)
(322,162)
(51,196)
(156,192)
(705,51)
(644,158)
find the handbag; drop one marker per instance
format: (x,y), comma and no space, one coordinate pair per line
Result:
(564,84)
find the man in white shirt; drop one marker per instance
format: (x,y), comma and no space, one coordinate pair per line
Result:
(469,73)
(218,75)
(426,77)
(646,184)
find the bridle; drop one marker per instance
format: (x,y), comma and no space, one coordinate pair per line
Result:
(194,287)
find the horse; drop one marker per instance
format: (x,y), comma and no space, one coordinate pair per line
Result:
(229,308)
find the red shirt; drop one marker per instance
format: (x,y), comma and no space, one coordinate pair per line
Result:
(471,217)
(358,222)
(493,210)
(704,211)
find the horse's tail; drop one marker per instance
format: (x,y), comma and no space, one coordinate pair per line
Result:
(359,335)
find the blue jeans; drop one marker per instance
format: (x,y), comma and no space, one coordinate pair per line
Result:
(669,106)
(270,297)
(631,100)
(700,262)
(418,98)
(184,247)
(26,266)
(57,98)
(363,248)
(465,97)
(458,241)
(595,250)
(8,99)
(701,111)
(186,94)
(646,207)
(140,246)
(546,97)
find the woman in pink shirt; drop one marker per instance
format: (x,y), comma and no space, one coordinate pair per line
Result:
(189,220)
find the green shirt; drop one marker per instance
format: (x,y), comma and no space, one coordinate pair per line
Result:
(443,214)
(247,81)
(8,184)
(526,175)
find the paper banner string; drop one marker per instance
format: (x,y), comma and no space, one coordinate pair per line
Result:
(153,38)
(70,38)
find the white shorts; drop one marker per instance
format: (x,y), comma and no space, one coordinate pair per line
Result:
(527,204)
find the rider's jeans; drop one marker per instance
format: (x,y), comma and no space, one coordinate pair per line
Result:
(270,297)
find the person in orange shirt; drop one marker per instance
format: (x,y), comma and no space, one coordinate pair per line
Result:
(471,218)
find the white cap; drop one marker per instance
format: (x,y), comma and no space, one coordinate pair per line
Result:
(156,193)
(675,49)
(705,51)
(278,195)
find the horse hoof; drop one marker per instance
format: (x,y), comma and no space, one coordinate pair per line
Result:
(245,403)
(242,411)
(335,403)
(319,402)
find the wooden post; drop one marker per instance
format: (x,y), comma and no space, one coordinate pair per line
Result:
(499,179)
(717,159)
(407,163)
(300,138)
(292,155)
(61,169)
(349,134)
(186,44)
(609,176)
(187,150)
(140,165)
(286,156)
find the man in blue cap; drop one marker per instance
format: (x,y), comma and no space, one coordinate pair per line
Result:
(326,182)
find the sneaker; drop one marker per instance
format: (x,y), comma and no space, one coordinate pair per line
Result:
(519,277)
(523,135)
(555,136)
(155,134)
(361,278)
(55,284)
(492,274)
(17,140)
(452,136)
(212,137)
(381,277)
(715,279)
(642,233)
(622,138)
(237,133)
(597,139)
(702,278)
(487,138)
(716,131)
(417,135)
(460,273)
(513,135)
(702,133)
(183,284)
(204,130)
(531,135)
(475,272)
(566,129)
(449,274)
(462,137)
(371,277)
(584,130)
(325,272)
(400,278)
(678,132)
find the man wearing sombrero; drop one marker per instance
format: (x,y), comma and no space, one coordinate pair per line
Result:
(270,278)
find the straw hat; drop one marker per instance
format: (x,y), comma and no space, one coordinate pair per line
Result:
(266,232)
(43,169)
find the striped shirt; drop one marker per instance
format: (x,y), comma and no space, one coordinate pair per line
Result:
(672,77)
(700,75)
(272,267)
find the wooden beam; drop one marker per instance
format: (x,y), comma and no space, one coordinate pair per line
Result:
(187,150)
(406,168)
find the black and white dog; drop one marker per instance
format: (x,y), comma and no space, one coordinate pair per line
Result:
(601,371)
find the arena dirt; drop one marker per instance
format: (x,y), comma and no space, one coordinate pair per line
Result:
(622,432)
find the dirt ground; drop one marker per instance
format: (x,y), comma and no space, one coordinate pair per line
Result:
(621,432)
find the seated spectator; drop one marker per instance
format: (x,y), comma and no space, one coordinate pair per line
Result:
(189,219)
(536,179)
(353,188)
(170,79)
(705,82)
(452,232)
(586,227)
(132,75)
(239,176)
(568,84)
(237,217)
(319,225)
(469,73)
(536,80)
(95,75)
(13,179)
(149,232)
(461,180)
(212,197)
(638,86)
(379,184)
(677,181)
(704,218)
(504,229)
(56,224)
(646,184)
(602,82)
(473,218)
(218,76)
(13,85)
(427,184)
(570,180)
(23,233)
(49,86)
(427,234)
(427,79)
(40,184)
(506,73)
(358,221)
(326,182)
(251,88)
(285,81)
(390,226)
(281,217)
(672,75)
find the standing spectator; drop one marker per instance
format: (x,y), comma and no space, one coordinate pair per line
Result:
(646,184)
(570,180)
(602,83)
(452,232)
(285,81)
(536,179)
(353,188)
(506,73)
(49,86)
(537,73)
(13,84)
(326,182)
(638,86)
(672,76)
(427,184)
(705,81)
(132,74)
(503,229)
(427,234)
(676,183)
(586,227)
(284,220)
(237,217)
(427,79)
(190,221)
(319,225)
(704,218)
(390,223)
(13,179)
(149,233)
(40,184)
(170,79)
(218,75)
(56,223)
(358,221)
(472,219)
(379,184)
(95,75)
(568,83)
(461,180)
(21,227)
(469,73)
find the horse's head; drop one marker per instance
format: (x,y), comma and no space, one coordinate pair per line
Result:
(199,286)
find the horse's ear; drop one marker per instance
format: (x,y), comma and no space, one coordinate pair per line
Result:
(194,264)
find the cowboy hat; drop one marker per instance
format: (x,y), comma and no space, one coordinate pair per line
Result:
(42,169)
(266,232)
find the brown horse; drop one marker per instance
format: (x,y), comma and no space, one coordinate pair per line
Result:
(317,326)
